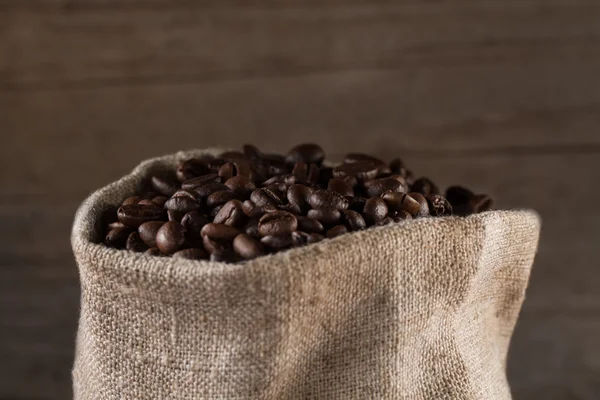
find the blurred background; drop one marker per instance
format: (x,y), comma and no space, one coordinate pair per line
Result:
(502,96)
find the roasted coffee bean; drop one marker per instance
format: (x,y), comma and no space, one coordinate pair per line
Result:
(192,168)
(252,210)
(375,210)
(243,168)
(251,228)
(134,215)
(135,243)
(240,185)
(438,205)
(277,169)
(160,200)
(215,165)
(279,189)
(131,200)
(213,213)
(308,153)
(264,197)
(309,225)
(148,231)
(354,221)
(220,198)
(153,251)
(286,179)
(170,237)
(175,215)
(147,202)
(219,231)
(299,238)
(182,204)
(278,242)
(314,238)
(336,231)
(357,204)
(209,188)
(465,202)
(187,193)
(165,187)
(401,201)
(327,216)
(293,208)
(224,256)
(231,155)
(325,174)
(313,174)
(216,245)
(247,247)
(231,214)
(361,170)
(385,221)
(424,186)
(251,152)
(116,225)
(328,199)
(277,222)
(340,186)
(481,203)
(399,215)
(195,253)
(299,195)
(300,172)
(357,157)
(397,167)
(193,222)
(376,187)
(117,237)
(423,206)
(227,171)
(194,183)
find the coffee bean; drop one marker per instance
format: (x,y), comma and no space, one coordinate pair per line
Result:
(220,198)
(385,221)
(314,238)
(170,237)
(209,188)
(300,172)
(147,202)
(188,194)
(278,242)
(134,215)
(376,187)
(277,222)
(424,186)
(192,168)
(252,210)
(340,186)
(481,203)
(399,215)
(148,231)
(192,254)
(361,170)
(265,197)
(116,225)
(231,214)
(313,174)
(166,187)
(213,213)
(251,152)
(354,221)
(423,206)
(251,228)
(153,251)
(117,237)
(401,201)
(308,153)
(309,225)
(279,189)
(247,247)
(175,215)
(438,205)
(375,210)
(299,195)
(285,179)
(224,256)
(194,183)
(182,204)
(357,204)
(219,231)
(327,216)
(131,200)
(357,157)
(227,171)
(216,245)
(135,243)
(328,199)
(193,222)
(336,231)
(160,200)
(293,208)
(243,168)
(277,169)
(325,174)
(240,185)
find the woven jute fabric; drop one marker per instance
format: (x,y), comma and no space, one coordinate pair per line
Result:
(418,310)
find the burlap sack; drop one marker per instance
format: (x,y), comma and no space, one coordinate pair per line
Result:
(419,310)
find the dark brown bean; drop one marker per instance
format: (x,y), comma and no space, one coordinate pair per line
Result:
(175,215)
(160,200)
(354,221)
(424,186)
(309,153)
(135,243)
(279,189)
(247,247)
(131,200)
(327,216)
(231,214)
(376,187)
(195,253)
(277,222)
(194,183)
(219,231)
(328,199)
(182,204)
(227,171)
(224,256)
(209,188)
(220,198)
(423,206)
(148,231)
(399,215)
(153,251)
(251,228)
(357,204)
(147,202)
(361,170)
(251,152)
(438,205)
(215,165)
(166,187)
(293,208)
(134,215)
(313,174)
(264,197)
(384,221)
(309,225)
(299,194)
(357,157)
(314,238)
(216,245)
(117,237)
(252,210)
(278,242)
(481,203)
(336,231)
(325,174)
(300,172)
(285,179)
(193,222)
(170,237)
(401,201)
(340,186)
(375,210)
(192,168)
(116,225)
(243,168)
(240,185)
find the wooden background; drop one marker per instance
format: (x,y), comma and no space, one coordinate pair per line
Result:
(502,95)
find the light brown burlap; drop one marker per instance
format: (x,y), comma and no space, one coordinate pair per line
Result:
(419,310)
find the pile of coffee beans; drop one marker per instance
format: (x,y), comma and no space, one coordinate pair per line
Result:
(241,205)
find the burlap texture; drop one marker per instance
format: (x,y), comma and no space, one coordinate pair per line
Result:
(418,310)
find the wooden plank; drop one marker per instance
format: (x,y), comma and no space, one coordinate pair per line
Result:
(92,48)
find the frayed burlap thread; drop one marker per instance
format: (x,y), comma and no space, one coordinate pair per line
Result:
(418,310)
